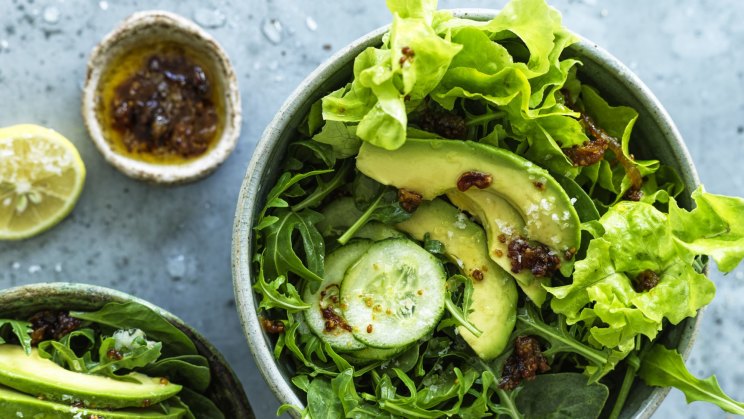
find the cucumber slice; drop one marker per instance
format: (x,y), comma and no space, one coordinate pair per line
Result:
(394,294)
(325,297)
(367,355)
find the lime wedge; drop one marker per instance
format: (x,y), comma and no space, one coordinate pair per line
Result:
(41,177)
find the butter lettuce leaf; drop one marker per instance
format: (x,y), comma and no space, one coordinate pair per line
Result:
(392,80)
(714,228)
(636,238)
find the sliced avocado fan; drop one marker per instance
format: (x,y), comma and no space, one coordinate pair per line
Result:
(546,217)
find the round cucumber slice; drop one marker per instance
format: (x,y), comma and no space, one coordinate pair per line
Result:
(324,300)
(394,294)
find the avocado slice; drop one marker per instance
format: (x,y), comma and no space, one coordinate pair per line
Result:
(14,404)
(32,374)
(435,167)
(496,215)
(494,302)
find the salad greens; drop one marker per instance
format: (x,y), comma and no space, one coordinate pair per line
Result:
(505,83)
(117,339)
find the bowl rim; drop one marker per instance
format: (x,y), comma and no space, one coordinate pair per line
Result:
(101,58)
(250,190)
(61,289)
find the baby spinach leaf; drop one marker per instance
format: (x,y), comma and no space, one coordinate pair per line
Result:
(22,331)
(323,152)
(200,406)
(131,315)
(662,367)
(341,137)
(322,402)
(188,370)
(562,395)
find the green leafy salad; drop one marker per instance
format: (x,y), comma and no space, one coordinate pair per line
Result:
(122,361)
(462,230)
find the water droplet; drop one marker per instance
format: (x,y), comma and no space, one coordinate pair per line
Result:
(176,266)
(604,13)
(58,267)
(34,269)
(273,65)
(311,23)
(4,45)
(739,275)
(51,14)
(209,18)
(103,5)
(272,30)
(16,265)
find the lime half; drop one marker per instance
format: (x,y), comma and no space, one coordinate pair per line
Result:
(41,177)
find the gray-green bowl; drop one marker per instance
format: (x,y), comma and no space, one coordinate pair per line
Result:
(614,80)
(225,390)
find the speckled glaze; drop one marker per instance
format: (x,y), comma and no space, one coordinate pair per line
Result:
(600,69)
(162,26)
(225,389)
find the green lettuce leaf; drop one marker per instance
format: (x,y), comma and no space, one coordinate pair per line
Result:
(637,237)
(662,367)
(715,228)
(390,81)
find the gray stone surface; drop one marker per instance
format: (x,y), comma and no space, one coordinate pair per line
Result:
(171,245)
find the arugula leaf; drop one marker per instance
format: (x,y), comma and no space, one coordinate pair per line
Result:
(131,315)
(278,293)
(22,331)
(458,316)
(62,352)
(283,184)
(324,188)
(560,340)
(64,356)
(662,367)
(127,350)
(279,256)
(385,208)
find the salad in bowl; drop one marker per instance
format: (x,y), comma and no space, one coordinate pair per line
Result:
(469,227)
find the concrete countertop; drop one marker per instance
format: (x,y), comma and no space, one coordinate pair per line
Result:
(171,245)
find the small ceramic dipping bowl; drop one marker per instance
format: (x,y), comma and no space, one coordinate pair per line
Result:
(225,390)
(122,53)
